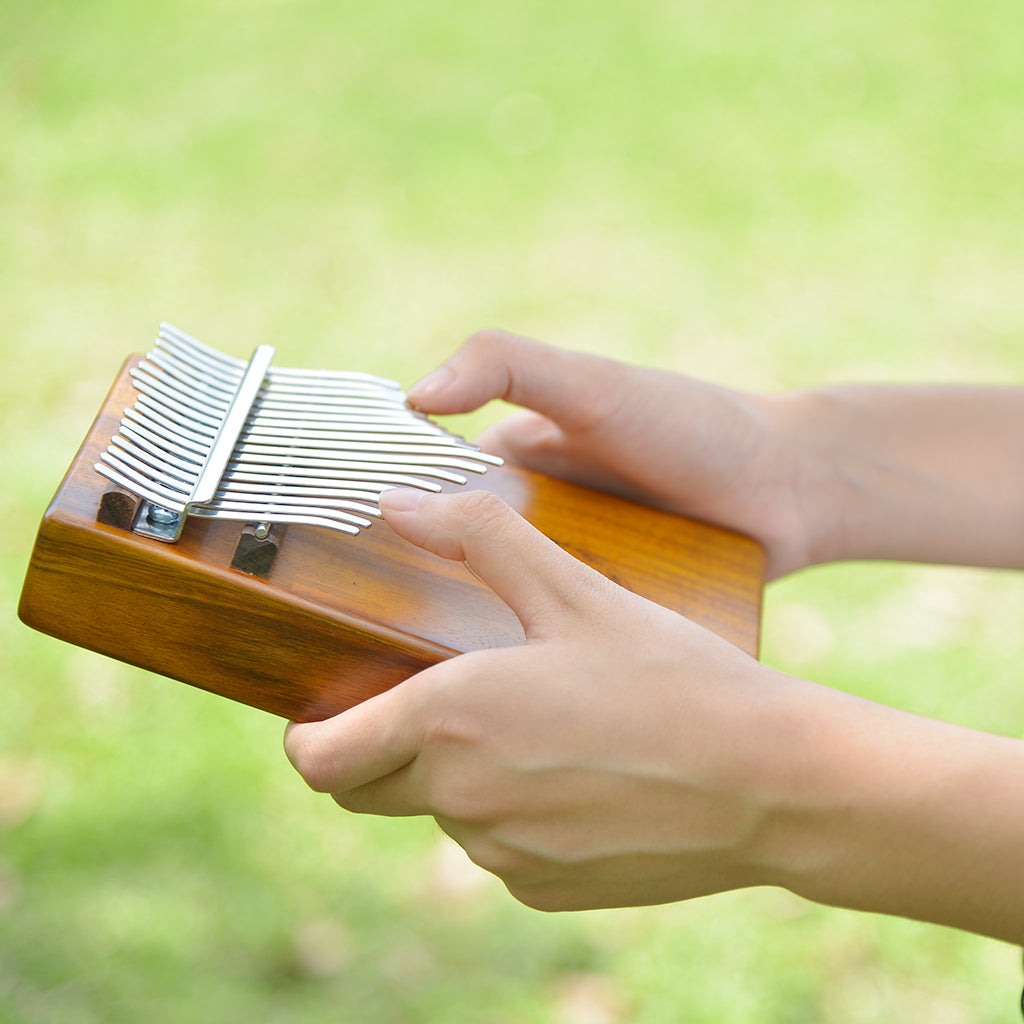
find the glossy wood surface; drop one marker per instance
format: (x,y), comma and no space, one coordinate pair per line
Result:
(341,618)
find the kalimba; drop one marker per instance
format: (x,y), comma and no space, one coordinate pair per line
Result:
(220,525)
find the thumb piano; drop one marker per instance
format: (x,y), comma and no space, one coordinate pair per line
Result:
(215,528)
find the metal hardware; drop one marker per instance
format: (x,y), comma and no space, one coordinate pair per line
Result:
(158,522)
(257,548)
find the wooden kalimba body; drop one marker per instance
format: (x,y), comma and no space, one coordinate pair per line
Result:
(282,598)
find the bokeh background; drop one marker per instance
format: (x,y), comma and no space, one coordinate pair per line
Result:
(771,195)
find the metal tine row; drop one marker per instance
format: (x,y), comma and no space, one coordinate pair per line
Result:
(343,509)
(316,447)
(278,465)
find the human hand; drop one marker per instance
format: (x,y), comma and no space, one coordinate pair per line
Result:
(617,758)
(625,756)
(663,439)
(917,473)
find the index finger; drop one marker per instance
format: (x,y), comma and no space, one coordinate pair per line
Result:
(571,388)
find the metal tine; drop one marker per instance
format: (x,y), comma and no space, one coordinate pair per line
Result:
(371,413)
(367,449)
(329,455)
(413,462)
(366,466)
(398,420)
(353,490)
(338,421)
(136,440)
(308,434)
(396,475)
(299,377)
(348,395)
(204,426)
(234,488)
(328,385)
(312,436)
(295,375)
(151,385)
(359,406)
(305,380)
(336,396)
(128,462)
(377,452)
(141,457)
(266,509)
(247,479)
(292,501)
(175,334)
(139,483)
(175,368)
(248,516)
(164,435)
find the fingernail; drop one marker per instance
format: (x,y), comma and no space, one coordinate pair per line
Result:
(402,499)
(430,385)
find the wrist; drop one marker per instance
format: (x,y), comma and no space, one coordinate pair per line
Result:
(805,479)
(914,473)
(875,809)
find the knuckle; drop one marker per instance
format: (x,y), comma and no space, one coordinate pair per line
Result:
(486,339)
(483,509)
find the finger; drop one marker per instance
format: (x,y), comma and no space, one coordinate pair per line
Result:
(534,442)
(397,795)
(539,581)
(523,435)
(368,742)
(569,387)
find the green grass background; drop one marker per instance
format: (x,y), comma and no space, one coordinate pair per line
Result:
(770,195)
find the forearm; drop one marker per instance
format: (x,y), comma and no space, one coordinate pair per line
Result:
(930,474)
(888,812)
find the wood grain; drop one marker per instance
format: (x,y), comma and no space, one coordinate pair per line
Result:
(342,618)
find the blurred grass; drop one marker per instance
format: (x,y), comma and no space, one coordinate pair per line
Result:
(770,195)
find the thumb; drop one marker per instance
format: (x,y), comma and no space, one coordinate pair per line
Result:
(539,581)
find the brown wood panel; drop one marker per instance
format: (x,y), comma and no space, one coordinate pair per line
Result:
(341,618)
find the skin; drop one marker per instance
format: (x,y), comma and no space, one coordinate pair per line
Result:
(715,772)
